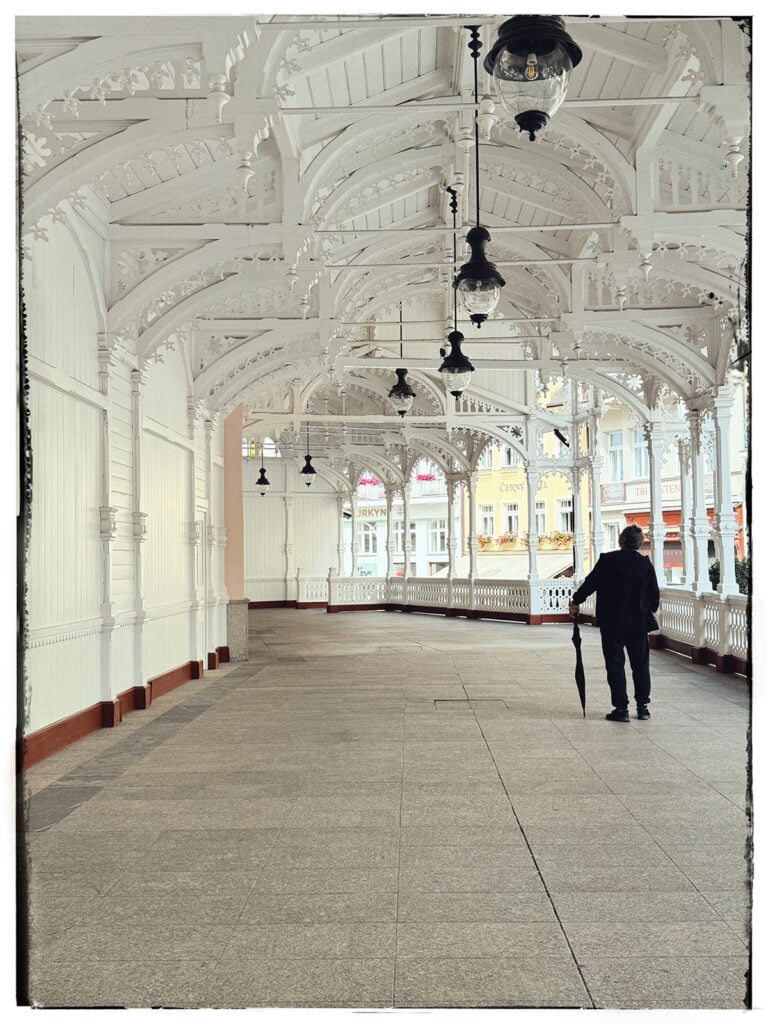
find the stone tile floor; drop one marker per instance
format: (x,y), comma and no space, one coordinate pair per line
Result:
(387,810)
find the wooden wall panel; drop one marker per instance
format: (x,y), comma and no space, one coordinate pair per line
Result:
(264,535)
(62,676)
(64,557)
(316,534)
(165,395)
(165,489)
(166,640)
(62,317)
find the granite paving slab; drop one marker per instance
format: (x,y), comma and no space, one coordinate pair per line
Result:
(674,982)
(313,833)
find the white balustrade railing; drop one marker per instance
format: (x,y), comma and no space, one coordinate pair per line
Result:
(312,589)
(266,588)
(700,621)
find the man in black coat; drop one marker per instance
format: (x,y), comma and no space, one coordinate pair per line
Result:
(627,596)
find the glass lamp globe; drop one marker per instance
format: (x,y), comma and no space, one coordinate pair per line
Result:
(308,471)
(401,394)
(531,63)
(479,297)
(456,370)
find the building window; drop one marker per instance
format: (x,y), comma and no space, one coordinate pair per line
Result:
(438,536)
(486,520)
(611,536)
(641,454)
(512,517)
(565,513)
(616,456)
(398,530)
(486,459)
(366,538)
(541,517)
(511,456)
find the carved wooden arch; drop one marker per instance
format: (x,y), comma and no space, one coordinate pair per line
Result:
(629,331)
(170,274)
(615,388)
(349,139)
(570,125)
(92,272)
(418,159)
(275,335)
(89,163)
(104,58)
(553,170)
(196,306)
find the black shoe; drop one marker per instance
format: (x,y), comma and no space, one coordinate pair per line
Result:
(618,715)
(643,712)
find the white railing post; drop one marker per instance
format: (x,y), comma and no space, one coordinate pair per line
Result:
(333,589)
(301,594)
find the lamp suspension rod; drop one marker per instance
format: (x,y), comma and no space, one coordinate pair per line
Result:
(401,328)
(474,49)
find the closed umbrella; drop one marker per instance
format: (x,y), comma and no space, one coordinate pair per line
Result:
(579,671)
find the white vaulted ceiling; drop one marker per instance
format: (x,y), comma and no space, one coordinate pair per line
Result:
(272,189)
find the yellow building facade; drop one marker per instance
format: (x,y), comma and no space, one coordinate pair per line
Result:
(502,510)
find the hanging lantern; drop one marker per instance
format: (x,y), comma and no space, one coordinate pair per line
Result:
(531,62)
(262,483)
(308,471)
(401,394)
(478,282)
(456,368)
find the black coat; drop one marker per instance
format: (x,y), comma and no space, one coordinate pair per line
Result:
(627,590)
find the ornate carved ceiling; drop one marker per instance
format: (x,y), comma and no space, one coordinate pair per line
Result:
(272,187)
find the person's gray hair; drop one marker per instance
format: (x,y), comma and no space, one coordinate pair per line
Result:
(632,536)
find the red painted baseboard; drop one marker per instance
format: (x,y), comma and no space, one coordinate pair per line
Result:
(271,604)
(213,661)
(105,715)
(223,653)
(54,737)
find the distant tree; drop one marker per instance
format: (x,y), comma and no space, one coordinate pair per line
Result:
(743,575)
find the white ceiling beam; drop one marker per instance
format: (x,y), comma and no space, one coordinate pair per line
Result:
(623,47)
(317,131)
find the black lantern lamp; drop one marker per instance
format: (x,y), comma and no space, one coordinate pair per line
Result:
(308,471)
(401,394)
(478,282)
(456,368)
(262,483)
(531,63)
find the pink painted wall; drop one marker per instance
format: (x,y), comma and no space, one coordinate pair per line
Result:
(234,577)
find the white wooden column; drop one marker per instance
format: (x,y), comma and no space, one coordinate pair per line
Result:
(532,481)
(407,529)
(725,521)
(210,540)
(389,493)
(340,541)
(450,485)
(578,523)
(108,358)
(699,524)
(290,549)
(686,541)
(654,437)
(471,480)
(353,544)
(595,486)
(195,538)
(139,380)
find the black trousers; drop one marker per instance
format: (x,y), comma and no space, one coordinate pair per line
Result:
(636,644)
